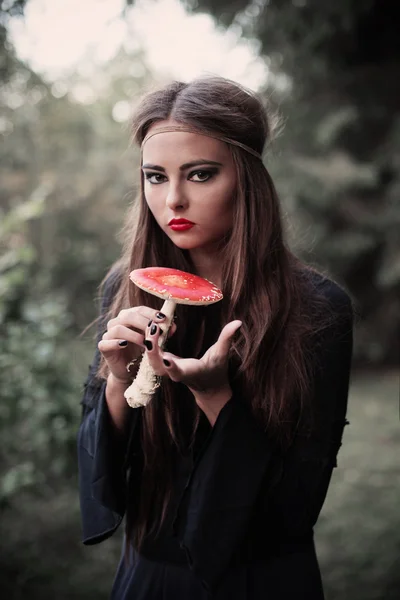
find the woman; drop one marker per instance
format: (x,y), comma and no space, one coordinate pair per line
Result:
(222,476)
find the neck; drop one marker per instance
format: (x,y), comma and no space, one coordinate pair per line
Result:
(207,265)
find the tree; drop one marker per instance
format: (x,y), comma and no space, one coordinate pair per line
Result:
(341,141)
(8,9)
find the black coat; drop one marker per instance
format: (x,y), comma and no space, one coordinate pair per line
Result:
(239,482)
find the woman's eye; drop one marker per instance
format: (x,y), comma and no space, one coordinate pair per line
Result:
(201,176)
(154,177)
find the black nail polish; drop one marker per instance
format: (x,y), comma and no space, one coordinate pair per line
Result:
(160,315)
(148,344)
(149,323)
(123,343)
(153,330)
(166,363)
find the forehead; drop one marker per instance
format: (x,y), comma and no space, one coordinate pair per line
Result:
(183,146)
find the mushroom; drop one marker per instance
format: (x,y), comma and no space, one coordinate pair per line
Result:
(175,287)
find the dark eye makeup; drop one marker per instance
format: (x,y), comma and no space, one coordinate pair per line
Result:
(197,175)
(154,177)
(202,174)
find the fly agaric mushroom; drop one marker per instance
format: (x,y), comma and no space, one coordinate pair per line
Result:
(175,287)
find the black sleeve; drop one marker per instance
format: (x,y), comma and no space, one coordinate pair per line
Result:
(297,497)
(102,457)
(240,467)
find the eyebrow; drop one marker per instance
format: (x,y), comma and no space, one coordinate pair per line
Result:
(188,165)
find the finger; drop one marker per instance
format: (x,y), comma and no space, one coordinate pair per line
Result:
(137,317)
(159,318)
(108,347)
(162,327)
(120,332)
(172,369)
(153,350)
(172,330)
(145,311)
(224,342)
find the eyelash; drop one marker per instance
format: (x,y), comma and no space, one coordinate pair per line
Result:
(209,172)
(148,175)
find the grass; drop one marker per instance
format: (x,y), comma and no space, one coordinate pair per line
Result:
(357,535)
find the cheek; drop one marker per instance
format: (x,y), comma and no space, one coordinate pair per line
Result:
(152,200)
(225,203)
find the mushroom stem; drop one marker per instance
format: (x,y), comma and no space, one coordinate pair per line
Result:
(141,391)
(168,309)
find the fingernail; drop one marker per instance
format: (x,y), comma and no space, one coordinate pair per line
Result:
(149,323)
(148,344)
(166,363)
(153,330)
(123,343)
(160,315)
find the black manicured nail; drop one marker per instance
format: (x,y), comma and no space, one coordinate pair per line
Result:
(166,363)
(153,330)
(149,323)
(160,315)
(148,344)
(123,343)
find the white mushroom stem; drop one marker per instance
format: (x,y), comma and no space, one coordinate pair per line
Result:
(145,384)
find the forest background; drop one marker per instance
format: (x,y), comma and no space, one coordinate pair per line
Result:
(67,176)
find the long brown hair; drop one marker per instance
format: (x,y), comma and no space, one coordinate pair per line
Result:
(264,284)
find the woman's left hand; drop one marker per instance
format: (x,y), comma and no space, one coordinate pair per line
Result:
(206,377)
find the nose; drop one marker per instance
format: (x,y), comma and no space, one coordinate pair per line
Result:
(176,198)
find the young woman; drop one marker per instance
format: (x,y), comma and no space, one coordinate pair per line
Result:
(222,476)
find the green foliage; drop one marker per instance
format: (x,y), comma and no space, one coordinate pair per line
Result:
(311,36)
(8,8)
(336,164)
(38,399)
(77,153)
(38,408)
(66,179)
(65,184)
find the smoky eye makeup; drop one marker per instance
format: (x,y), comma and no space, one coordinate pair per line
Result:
(154,176)
(203,175)
(196,175)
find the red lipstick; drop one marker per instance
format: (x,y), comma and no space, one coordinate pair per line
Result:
(180,224)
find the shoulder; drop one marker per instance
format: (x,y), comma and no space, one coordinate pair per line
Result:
(337,300)
(331,341)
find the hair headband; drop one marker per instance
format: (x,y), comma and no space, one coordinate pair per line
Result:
(189,129)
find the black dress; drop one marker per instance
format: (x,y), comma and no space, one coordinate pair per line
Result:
(240,524)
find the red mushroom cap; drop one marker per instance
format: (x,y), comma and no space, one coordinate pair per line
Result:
(172,284)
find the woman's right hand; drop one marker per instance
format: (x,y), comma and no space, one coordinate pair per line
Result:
(123,340)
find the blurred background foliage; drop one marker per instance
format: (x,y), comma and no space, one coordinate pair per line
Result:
(67,174)
(340,173)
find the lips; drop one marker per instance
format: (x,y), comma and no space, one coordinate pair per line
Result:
(180,224)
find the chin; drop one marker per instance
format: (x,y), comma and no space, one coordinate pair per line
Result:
(190,242)
(185,242)
(186,245)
